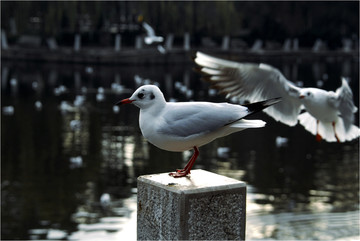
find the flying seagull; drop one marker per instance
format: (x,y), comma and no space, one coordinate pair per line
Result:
(150,35)
(328,115)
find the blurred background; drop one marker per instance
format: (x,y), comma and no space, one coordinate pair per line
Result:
(70,157)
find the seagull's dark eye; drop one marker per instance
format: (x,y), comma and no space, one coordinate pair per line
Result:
(141,95)
(308,94)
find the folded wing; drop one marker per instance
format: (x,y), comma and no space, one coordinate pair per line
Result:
(201,117)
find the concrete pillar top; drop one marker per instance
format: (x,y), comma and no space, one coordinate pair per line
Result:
(197,182)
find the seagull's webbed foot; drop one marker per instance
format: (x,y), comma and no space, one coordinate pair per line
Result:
(179,173)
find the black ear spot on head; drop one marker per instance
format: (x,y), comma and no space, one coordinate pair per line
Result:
(152,96)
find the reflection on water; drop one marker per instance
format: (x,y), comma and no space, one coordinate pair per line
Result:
(70,159)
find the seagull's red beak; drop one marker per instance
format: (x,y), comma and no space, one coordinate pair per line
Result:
(124,101)
(302,96)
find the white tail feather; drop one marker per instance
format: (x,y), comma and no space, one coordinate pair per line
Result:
(248,124)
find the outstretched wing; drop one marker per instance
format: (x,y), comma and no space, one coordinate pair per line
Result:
(149,30)
(253,82)
(343,100)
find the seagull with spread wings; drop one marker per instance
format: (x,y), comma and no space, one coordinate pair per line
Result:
(328,115)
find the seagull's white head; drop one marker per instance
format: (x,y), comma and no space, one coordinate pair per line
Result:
(145,97)
(306,94)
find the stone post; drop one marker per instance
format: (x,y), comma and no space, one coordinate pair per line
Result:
(225,42)
(187,41)
(201,206)
(138,42)
(117,42)
(77,42)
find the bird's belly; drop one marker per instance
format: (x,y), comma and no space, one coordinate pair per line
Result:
(323,114)
(179,144)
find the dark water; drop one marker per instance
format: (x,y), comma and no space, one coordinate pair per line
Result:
(65,150)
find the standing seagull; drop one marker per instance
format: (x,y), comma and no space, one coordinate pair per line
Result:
(329,115)
(183,126)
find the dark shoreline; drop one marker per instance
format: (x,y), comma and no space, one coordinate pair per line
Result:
(153,56)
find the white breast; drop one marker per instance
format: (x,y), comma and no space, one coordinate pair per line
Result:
(320,108)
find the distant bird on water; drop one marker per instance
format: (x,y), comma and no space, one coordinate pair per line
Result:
(181,126)
(329,115)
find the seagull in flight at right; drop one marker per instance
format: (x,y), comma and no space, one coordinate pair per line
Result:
(328,115)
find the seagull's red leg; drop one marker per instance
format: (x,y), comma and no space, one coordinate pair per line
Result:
(337,138)
(318,136)
(192,160)
(189,165)
(189,162)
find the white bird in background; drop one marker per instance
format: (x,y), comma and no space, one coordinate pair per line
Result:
(181,126)
(329,115)
(151,37)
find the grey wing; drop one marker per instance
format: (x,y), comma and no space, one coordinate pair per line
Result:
(344,102)
(188,119)
(252,82)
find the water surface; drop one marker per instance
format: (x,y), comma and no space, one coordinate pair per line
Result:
(70,159)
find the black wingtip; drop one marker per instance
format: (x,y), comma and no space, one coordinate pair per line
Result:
(259,106)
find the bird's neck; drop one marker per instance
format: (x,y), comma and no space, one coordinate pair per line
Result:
(153,110)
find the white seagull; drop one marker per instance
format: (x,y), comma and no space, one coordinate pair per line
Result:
(151,37)
(329,115)
(181,126)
